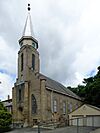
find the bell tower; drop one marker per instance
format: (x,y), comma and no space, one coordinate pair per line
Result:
(28,56)
(28,68)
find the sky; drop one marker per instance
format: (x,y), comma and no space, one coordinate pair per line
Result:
(68,33)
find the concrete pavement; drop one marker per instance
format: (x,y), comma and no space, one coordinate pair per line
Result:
(71,129)
(96,131)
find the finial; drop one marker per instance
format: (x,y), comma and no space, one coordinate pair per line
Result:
(29,7)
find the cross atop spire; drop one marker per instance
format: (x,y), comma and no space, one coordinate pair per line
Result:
(29,7)
(28,31)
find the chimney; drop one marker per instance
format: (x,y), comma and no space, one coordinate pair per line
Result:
(8,97)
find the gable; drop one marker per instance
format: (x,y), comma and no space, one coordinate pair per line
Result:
(86,110)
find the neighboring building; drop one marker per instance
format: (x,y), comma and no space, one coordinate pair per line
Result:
(36,97)
(8,104)
(86,115)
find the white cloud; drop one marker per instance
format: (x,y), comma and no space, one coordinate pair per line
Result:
(5,86)
(68,32)
(7,69)
(7,57)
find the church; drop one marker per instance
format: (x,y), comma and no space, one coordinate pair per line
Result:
(36,97)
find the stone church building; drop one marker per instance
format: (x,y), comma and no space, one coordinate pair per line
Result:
(36,97)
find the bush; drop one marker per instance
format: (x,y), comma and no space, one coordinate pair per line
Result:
(5,119)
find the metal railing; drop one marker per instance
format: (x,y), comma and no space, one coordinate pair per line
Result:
(49,125)
(83,123)
(77,125)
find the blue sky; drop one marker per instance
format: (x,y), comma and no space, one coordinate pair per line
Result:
(68,33)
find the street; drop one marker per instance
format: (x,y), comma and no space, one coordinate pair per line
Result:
(57,130)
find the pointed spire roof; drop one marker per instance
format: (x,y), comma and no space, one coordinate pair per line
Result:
(28,31)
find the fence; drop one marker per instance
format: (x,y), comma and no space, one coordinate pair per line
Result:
(76,125)
(50,125)
(85,124)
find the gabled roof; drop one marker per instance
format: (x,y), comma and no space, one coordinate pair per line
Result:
(58,87)
(93,107)
(86,109)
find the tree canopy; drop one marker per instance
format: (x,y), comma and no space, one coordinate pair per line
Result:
(5,118)
(90,91)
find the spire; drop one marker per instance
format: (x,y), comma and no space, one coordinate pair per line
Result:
(28,31)
(28,36)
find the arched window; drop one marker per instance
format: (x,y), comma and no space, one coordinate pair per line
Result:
(64,107)
(69,107)
(34,104)
(22,62)
(55,105)
(33,61)
(20,95)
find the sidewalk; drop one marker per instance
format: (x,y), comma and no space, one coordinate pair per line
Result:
(96,131)
(71,129)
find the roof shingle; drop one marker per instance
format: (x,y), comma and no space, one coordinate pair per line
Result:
(58,87)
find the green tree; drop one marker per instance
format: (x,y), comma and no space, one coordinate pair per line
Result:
(93,90)
(90,91)
(5,118)
(79,90)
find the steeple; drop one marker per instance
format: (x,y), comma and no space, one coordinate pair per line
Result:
(28,32)
(28,29)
